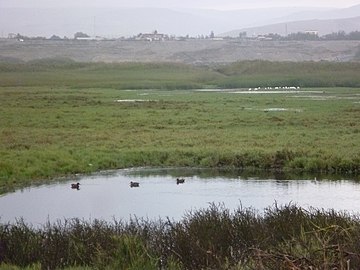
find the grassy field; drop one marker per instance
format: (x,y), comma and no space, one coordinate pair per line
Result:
(67,73)
(62,118)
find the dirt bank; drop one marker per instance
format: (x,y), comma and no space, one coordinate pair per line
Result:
(191,51)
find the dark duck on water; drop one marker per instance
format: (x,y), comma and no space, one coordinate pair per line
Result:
(75,186)
(180,181)
(134,184)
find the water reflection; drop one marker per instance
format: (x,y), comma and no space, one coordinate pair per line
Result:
(109,195)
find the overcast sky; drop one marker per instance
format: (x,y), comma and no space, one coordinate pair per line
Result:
(209,4)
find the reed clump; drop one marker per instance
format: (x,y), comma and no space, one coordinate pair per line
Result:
(282,237)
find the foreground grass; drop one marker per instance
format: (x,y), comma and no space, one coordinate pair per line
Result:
(286,237)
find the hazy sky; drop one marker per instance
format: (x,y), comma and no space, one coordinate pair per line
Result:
(211,4)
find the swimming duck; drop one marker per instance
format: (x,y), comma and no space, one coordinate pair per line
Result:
(134,184)
(180,181)
(75,186)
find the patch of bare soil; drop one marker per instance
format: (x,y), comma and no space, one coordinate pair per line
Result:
(190,51)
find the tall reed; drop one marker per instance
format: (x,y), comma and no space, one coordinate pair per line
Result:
(282,237)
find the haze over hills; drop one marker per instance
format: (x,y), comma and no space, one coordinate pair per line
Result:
(320,14)
(323,27)
(325,22)
(116,22)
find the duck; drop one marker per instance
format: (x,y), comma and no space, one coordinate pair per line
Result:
(180,181)
(134,184)
(75,186)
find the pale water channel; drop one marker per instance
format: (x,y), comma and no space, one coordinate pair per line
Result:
(109,196)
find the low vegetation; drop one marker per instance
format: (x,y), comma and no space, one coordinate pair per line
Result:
(286,237)
(65,72)
(60,118)
(303,74)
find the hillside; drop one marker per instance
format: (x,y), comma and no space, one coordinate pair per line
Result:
(322,26)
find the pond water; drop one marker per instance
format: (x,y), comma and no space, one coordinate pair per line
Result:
(109,196)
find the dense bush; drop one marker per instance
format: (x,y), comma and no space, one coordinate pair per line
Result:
(283,237)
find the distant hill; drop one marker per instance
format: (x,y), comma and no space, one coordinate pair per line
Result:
(350,12)
(322,26)
(116,22)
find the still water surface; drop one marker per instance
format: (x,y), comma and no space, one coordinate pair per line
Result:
(109,196)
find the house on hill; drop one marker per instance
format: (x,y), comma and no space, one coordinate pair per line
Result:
(154,36)
(312,32)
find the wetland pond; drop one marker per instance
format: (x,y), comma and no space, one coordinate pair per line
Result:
(108,196)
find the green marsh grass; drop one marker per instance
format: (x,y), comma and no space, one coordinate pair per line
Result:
(304,74)
(65,72)
(47,133)
(99,75)
(60,118)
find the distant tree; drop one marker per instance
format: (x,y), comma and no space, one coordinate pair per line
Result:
(212,35)
(38,38)
(355,35)
(242,34)
(55,37)
(341,35)
(21,37)
(302,36)
(274,36)
(80,35)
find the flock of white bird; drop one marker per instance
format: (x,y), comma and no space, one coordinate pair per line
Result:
(275,88)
